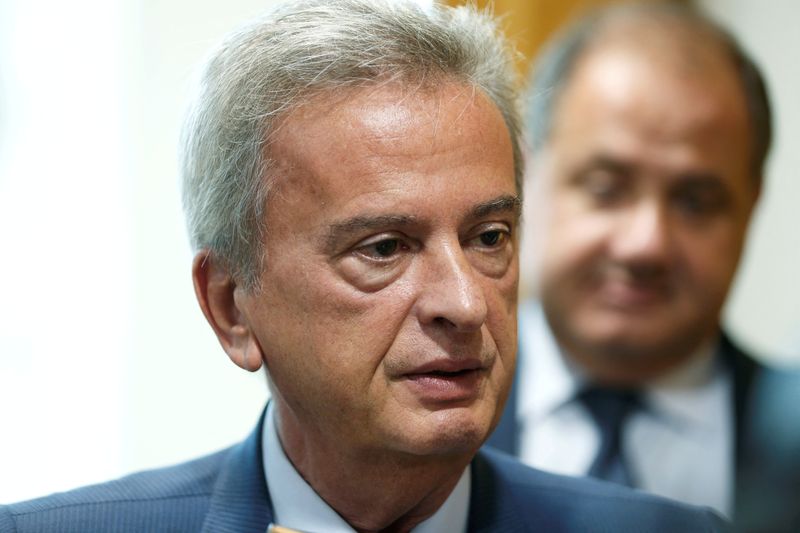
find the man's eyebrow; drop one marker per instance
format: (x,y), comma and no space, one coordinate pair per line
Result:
(359,224)
(505,203)
(700,179)
(610,163)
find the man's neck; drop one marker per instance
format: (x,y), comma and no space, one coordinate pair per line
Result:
(371,491)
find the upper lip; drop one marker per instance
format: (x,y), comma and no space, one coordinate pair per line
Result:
(447,365)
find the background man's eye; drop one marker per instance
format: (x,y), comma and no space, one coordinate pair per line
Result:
(691,204)
(601,185)
(387,247)
(701,202)
(490,238)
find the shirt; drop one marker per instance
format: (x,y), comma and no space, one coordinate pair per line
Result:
(680,445)
(297,506)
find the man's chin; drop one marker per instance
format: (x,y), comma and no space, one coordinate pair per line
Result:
(636,335)
(629,358)
(454,432)
(628,345)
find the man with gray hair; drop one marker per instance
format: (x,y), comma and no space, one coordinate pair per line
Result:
(352,186)
(650,127)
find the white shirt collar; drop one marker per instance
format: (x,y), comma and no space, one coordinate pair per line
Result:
(297,506)
(690,392)
(680,446)
(681,395)
(549,381)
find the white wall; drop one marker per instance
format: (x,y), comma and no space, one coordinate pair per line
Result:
(186,397)
(764,311)
(62,198)
(106,363)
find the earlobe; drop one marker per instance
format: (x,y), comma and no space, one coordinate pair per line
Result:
(215,288)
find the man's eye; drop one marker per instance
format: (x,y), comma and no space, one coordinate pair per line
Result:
(382,249)
(604,190)
(602,186)
(386,247)
(491,248)
(700,201)
(491,238)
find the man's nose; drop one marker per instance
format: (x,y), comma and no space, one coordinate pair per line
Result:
(643,234)
(451,294)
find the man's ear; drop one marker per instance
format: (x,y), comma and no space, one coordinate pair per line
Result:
(214,287)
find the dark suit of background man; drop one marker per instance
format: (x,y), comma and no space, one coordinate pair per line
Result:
(352,181)
(649,128)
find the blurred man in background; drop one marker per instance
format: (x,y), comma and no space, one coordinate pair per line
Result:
(649,129)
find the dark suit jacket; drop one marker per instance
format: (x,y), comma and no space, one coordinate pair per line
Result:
(226,492)
(766,405)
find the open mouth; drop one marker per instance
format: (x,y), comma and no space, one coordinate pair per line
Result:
(452,374)
(446,386)
(444,374)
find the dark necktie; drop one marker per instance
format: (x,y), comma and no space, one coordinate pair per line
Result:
(609,409)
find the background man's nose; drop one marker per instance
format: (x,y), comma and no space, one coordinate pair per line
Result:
(643,234)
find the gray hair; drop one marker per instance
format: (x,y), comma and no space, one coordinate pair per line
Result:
(553,68)
(293,53)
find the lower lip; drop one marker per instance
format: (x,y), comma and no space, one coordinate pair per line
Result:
(446,388)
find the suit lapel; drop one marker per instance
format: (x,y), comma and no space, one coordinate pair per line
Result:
(743,372)
(240,500)
(491,502)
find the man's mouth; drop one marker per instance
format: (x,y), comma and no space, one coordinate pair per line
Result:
(629,291)
(444,375)
(449,381)
(634,295)
(447,366)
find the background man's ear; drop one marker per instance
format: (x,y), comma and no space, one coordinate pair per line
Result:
(214,288)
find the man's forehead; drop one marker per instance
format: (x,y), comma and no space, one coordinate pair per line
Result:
(675,40)
(341,127)
(375,109)
(623,88)
(604,64)
(388,152)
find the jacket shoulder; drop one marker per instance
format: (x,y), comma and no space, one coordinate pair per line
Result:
(551,502)
(174,498)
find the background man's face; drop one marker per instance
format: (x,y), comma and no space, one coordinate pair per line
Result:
(646,192)
(387,312)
